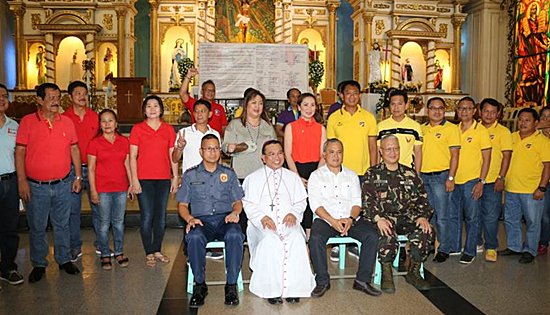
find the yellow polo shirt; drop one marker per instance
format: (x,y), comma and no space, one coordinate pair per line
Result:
(438,140)
(409,134)
(501,141)
(354,132)
(526,166)
(472,142)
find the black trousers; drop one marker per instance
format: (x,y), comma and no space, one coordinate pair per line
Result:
(305,170)
(9,220)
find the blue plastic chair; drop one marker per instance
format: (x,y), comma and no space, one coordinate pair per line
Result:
(341,242)
(402,241)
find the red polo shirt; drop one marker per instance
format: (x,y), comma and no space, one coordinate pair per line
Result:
(48,155)
(86,129)
(218,118)
(110,172)
(153,161)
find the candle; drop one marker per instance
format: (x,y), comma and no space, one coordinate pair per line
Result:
(315,52)
(187,49)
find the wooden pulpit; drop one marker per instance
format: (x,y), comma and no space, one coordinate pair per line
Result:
(129,96)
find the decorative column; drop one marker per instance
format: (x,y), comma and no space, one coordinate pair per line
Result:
(395,66)
(201,22)
(89,46)
(50,64)
(121,45)
(367,17)
(155,58)
(287,21)
(457,20)
(430,73)
(18,10)
(331,49)
(211,21)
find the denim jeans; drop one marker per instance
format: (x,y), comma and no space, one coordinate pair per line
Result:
(517,205)
(9,219)
(152,204)
(215,228)
(489,212)
(51,201)
(464,206)
(439,199)
(111,210)
(545,223)
(76,208)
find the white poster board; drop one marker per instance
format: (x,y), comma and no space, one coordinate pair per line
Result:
(270,68)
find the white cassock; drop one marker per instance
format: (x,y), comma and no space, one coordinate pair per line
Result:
(279,259)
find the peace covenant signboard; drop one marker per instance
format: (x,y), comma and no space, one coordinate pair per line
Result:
(270,68)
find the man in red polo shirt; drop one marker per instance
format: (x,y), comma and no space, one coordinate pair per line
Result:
(46,144)
(218,120)
(86,123)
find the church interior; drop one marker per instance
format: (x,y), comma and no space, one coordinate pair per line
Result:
(125,50)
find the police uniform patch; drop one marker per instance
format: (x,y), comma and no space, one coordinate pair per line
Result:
(223,177)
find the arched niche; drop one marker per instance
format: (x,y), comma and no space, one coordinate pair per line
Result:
(317,50)
(68,61)
(106,62)
(36,64)
(413,55)
(444,60)
(177,43)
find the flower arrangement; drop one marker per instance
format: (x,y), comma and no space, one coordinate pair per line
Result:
(380,87)
(183,66)
(88,66)
(316,72)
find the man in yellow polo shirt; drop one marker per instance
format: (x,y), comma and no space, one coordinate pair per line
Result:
(491,200)
(526,183)
(440,153)
(471,175)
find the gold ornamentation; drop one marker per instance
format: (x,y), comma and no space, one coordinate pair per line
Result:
(414,7)
(379,27)
(443,29)
(310,20)
(35,19)
(108,21)
(381,6)
(443,10)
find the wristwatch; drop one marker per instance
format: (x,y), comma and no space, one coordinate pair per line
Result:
(450,178)
(542,188)
(352,220)
(483,181)
(501,177)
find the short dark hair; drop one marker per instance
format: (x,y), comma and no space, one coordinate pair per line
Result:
(466,99)
(340,87)
(41,89)
(73,85)
(106,110)
(152,97)
(347,83)
(531,111)
(207,82)
(492,102)
(398,92)
(290,90)
(545,108)
(209,136)
(304,95)
(202,102)
(250,89)
(270,142)
(433,99)
(2,86)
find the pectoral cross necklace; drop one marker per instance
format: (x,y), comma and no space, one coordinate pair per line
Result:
(277,186)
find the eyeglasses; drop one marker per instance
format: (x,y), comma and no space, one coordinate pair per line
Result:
(465,109)
(211,149)
(437,109)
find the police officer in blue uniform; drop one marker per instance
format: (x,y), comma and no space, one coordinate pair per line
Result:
(210,202)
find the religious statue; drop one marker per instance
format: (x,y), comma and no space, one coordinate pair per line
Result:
(107,61)
(178,54)
(75,69)
(407,71)
(41,77)
(438,79)
(313,54)
(532,47)
(374,64)
(243,18)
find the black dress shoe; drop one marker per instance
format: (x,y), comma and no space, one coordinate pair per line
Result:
(69,268)
(231,296)
(36,274)
(274,301)
(292,300)
(509,252)
(320,290)
(367,288)
(441,257)
(526,258)
(200,291)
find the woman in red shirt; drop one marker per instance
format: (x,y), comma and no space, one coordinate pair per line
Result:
(304,139)
(109,177)
(151,146)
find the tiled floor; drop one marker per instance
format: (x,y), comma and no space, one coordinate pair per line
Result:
(505,287)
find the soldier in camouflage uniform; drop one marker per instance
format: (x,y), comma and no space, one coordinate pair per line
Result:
(395,200)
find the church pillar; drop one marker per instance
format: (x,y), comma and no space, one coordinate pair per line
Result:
(18,10)
(89,46)
(278,21)
(457,20)
(430,67)
(395,66)
(331,49)
(121,34)
(287,22)
(155,47)
(50,57)
(367,17)
(211,21)
(200,22)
